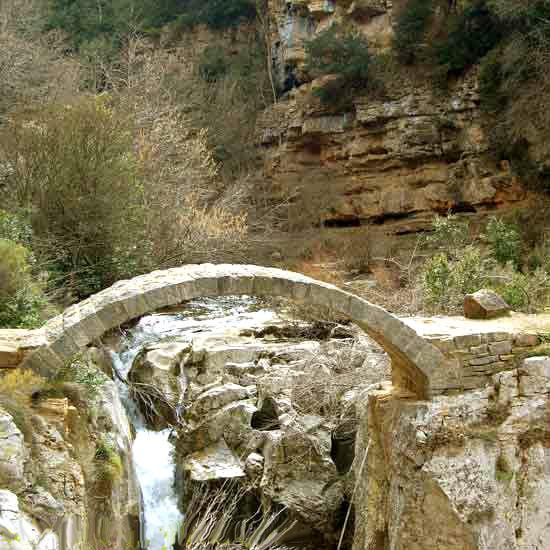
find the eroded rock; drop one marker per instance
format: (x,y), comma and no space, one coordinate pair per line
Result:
(12,453)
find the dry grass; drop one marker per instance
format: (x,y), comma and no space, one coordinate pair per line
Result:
(17,388)
(329,377)
(210,522)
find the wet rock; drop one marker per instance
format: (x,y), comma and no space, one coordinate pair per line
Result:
(484,304)
(254,466)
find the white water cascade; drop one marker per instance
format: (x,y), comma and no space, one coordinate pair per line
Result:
(153,452)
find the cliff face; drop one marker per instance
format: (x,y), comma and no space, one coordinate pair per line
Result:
(51,495)
(394,158)
(464,472)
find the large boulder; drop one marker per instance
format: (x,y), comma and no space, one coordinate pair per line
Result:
(217,397)
(484,304)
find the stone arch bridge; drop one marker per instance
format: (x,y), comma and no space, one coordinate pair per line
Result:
(423,364)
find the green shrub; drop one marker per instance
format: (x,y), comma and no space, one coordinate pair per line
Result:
(216,14)
(344,54)
(472,34)
(436,278)
(445,282)
(15,228)
(449,234)
(492,96)
(213,64)
(505,242)
(108,464)
(410,28)
(74,168)
(85,373)
(22,301)
(16,391)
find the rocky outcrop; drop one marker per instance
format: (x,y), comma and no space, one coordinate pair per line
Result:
(394,158)
(50,495)
(156,382)
(474,464)
(18,531)
(266,417)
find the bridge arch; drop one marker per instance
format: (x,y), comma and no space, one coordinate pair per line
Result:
(415,361)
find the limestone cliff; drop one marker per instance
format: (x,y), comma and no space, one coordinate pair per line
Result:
(393,158)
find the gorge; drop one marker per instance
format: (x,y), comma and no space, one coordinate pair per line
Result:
(311,430)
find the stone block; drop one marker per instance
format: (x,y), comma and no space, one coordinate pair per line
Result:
(467,341)
(526,340)
(479,350)
(9,356)
(479,361)
(500,348)
(484,304)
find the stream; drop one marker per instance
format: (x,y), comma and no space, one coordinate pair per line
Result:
(153,451)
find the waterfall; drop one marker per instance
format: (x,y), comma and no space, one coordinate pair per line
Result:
(153,460)
(153,451)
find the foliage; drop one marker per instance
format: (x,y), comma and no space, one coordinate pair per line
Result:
(110,21)
(15,228)
(461,267)
(447,281)
(229,94)
(217,14)
(21,383)
(74,168)
(493,98)
(213,64)
(505,241)
(342,53)
(449,233)
(473,33)
(22,301)
(108,464)
(410,28)
(85,373)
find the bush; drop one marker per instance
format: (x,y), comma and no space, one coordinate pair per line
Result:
(15,228)
(108,464)
(17,388)
(73,166)
(22,301)
(84,373)
(446,281)
(410,28)
(213,64)
(473,33)
(492,96)
(344,54)
(217,14)
(505,242)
